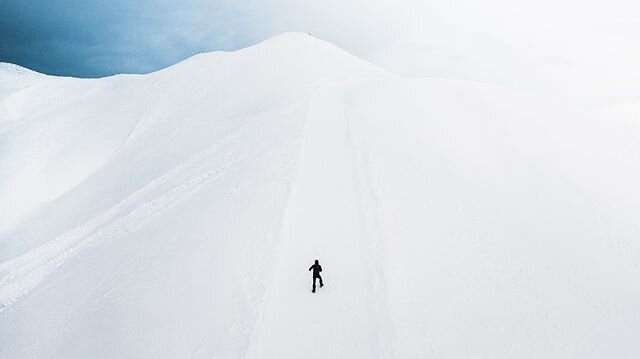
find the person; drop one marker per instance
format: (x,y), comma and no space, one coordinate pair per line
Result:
(316,274)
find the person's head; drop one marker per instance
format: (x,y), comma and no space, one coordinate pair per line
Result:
(317,262)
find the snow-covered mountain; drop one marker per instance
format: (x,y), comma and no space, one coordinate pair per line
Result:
(175,214)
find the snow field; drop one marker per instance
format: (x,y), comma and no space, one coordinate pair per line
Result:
(176,214)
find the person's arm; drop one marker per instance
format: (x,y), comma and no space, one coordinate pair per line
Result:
(310,268)
(319,268)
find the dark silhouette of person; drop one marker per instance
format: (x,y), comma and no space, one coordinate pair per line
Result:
(316,274)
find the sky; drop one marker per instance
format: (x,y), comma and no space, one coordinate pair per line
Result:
(94,38)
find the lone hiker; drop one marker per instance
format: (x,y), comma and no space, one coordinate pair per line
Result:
(316,274)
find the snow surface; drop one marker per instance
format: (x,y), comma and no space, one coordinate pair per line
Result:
(175,214)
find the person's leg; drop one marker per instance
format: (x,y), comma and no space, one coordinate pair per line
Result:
(320,278)
(314,285)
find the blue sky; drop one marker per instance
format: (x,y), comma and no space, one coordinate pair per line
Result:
(91,38)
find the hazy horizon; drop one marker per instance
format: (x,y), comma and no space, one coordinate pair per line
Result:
(95,39)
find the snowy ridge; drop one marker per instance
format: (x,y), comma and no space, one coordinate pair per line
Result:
(11,73)
(176,214)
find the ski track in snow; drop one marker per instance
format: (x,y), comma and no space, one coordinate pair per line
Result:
(352,304)
(20,275)
(373,234)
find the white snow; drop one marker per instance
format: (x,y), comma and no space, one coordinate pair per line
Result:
(175,214)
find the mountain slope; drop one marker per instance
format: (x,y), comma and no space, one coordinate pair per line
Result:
(175,214)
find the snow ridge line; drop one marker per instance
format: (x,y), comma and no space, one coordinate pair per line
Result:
(373,240)
(22,274)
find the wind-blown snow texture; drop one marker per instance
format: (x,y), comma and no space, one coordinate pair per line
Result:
(174,215)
